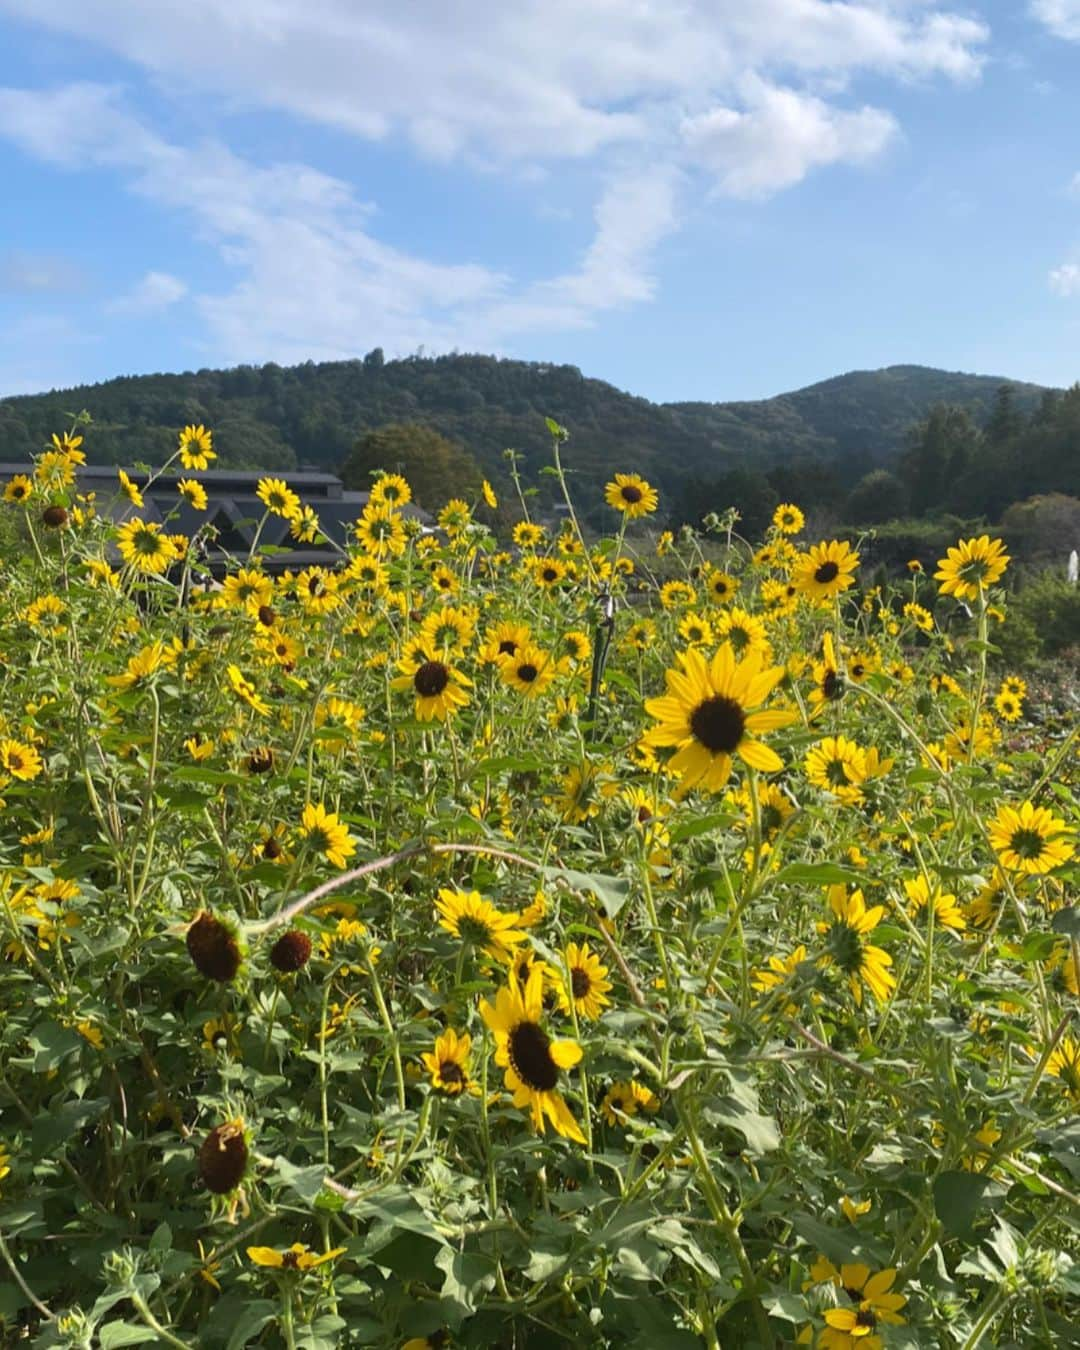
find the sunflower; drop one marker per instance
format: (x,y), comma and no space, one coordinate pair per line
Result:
(828,679)
(677,594)
(448,1064)
(788,519)
(130,490)
(721,587)
(632,495)
(455,517)
(1013,684)
(304,526)
(488,494)
(318,590)
(195,448)
(19,760)
(1008,706)
(502,641)
(872,1306)
(825,570)
(919,616)
(529,670)
(532,1060)
(439,688)
(278,498)
(246,691)
(846,946)
(1064,1065)
(193,493)
(584,983)
(581,796)
(971,566)
(778,970)
(296,1257)
(626,1098)
(696,631)
(476,921)
(946,911)
(575,646)
(381,531)
(838,765)
(449,631)
(391,490)
(139,667)
(707,715)
(247,589)
(326,834)
(548,572)
(1030,839)
(19,488)
(745,632)
(143,547)
(527,535)
(46,614)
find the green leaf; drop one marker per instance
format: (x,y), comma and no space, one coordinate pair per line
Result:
(114,1334)
(1067,921)
(818,874)
(468,1275)
(958,1196)
(51,1044)
(612,892)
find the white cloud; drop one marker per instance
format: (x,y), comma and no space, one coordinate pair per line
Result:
(779,136)
(536,79)
(155,292)
(649,95)
(23,273)
(1062,17)
(1065,280)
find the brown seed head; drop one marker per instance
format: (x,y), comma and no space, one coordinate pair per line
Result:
(223,1157)
(290,952)
(54,517)
(213,948)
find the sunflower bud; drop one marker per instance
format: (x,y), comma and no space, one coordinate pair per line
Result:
(53,517)
(213,947)
(290,952)
(223,1158)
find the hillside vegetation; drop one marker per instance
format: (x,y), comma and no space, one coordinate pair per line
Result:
(272,417)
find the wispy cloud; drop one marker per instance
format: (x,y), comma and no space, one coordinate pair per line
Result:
(154,292)
(1062,17)
(663,100)
(1065,280)
(24,273)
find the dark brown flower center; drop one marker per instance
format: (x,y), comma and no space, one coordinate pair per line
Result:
(527,672)
(828,571)
(550,574)
(530,1055)
(718,723)
(631,494)
(431,679)
(580,982)
(1027,843)
(866,1318)
(451,1072)
(507,647)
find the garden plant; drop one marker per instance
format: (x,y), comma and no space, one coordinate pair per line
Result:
(513,937)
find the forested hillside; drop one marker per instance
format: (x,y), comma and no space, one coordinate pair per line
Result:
(278,418)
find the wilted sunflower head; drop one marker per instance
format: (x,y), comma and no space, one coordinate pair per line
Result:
(214,948)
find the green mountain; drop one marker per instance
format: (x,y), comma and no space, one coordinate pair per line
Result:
(272,417)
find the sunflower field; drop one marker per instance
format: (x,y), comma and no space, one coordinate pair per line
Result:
(517,938)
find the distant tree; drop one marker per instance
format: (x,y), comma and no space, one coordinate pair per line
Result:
(938,448)
(1045,527)
(375,360)
(1004,421)
(435,467)
(751,494)
(877,497)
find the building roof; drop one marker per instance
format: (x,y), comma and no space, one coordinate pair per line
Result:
(233,509)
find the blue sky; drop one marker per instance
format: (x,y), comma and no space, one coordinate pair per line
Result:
(693,199)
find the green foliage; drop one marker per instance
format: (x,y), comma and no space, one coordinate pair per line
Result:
(434,467)
(1044,618)
(812,445)
(878,497)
